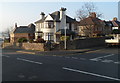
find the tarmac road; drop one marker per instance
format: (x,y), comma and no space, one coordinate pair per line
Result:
(98,65)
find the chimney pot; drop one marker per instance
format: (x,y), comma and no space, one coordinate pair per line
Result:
(93,14)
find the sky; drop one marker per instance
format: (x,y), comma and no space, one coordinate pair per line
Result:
(24,13)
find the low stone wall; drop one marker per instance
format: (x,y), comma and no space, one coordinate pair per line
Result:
(4,45)
(33,46)
(27,46)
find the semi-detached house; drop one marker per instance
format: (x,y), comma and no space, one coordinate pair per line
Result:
(49,26)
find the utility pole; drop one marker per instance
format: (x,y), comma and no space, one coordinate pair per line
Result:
(65,43)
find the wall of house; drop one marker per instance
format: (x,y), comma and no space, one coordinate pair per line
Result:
(14,37)
(57,25)
(49,18)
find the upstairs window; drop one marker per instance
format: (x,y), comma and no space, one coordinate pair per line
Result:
(49,25)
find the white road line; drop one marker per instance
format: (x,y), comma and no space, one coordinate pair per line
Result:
(117,62)
(103,56)
(74,58)
(28,61)
(93,74)
(107,61)
(6,56)
(95,59)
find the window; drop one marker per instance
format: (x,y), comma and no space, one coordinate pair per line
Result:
(49,25)
(49,36)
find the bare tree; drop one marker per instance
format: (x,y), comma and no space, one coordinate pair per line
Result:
(6,33)
(85,11)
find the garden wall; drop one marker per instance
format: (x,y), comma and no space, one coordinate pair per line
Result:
(27,46)
(84,43)
(33,46)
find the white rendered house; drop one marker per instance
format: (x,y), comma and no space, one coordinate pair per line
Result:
(49,25)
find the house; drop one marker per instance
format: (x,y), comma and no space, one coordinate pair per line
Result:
(22,32)
(111,25)
(50,27)
(115,23)
(91,26)
(108,27)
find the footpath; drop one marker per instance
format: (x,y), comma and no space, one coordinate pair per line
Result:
(61,52)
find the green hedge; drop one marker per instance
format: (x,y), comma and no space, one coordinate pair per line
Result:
(21,40)
(63,38)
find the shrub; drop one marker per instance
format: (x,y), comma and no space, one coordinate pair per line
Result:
(7,40)
(40,40)
(63,38)
(31,41)
(21,40)
(116,31)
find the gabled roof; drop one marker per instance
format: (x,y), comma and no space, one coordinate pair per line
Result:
(90,21)
(56,18)
(116,23)
(25,29)
(112,23)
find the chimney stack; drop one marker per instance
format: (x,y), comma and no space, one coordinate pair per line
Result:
(62,13)
(15,25)
(93,14)
(115,19)
(63,17)
(42,15)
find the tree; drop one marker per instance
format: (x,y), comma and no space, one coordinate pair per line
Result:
(6,33)
(88,10)
(85,11)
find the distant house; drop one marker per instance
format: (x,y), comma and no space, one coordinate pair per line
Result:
(111,25)
(52,26)
(22,32)
(108,27)
(91,26)
(115,23)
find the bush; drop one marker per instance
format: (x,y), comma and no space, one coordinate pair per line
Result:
(116,31)
(63,38)
(6,40)
(40,40)
(21,40)
(31,41)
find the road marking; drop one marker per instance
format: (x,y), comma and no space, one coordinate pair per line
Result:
(95,59)
(102,57)
(6,56)
(93,74)
(26,52)
(117,62)
(74,58)
(28,61)
(107,61)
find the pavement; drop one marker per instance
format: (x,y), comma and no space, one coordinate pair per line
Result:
(61,52)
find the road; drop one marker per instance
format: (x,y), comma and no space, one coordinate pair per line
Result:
(98,65)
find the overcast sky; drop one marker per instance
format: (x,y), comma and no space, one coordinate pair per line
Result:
(24,13)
